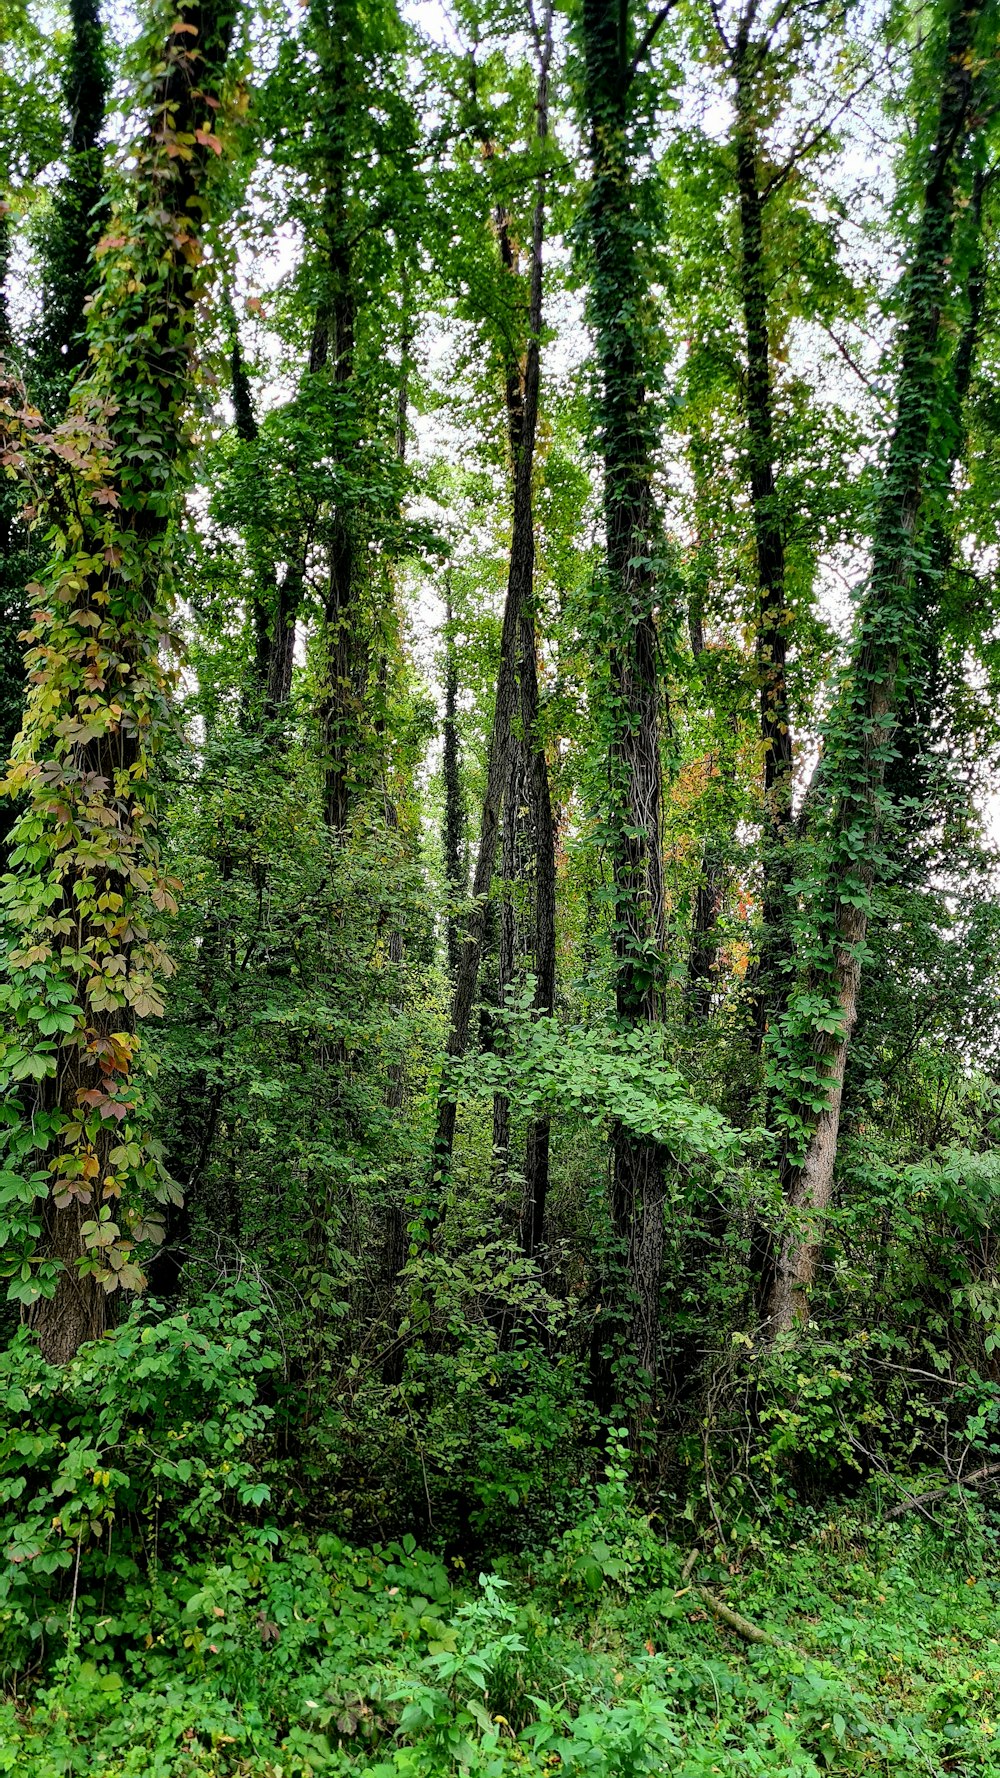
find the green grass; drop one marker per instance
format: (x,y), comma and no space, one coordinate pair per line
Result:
(285,1659)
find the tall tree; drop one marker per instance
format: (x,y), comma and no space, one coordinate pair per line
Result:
(635,638)
(749,58)
(83,965)
(517,678)
(813,1048)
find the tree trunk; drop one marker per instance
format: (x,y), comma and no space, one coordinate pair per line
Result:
(455,876)
(332,354)
(918,738)
(715,868)
(713,874)
(515,870)
(68,270)
(272,636)
(522,392)
(543,828)
(617,294)
(771,628)
(887,646)
(86,754)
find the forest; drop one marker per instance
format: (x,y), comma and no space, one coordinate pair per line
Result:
(499,851)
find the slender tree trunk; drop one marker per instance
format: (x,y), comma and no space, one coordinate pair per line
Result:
(703,950)
(332,353)
(715,866)
(397,1238)
(522,412)
(543,829)
(454,808)
(269,629)
(887,646)
(473,922)
(511,949)
(771,628)
(703,956)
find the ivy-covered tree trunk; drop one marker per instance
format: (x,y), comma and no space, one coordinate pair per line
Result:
(618,297)
(72,230)
(859,740)
(920,731)
(83,962)
(771,627)
(334,32)
(66,244)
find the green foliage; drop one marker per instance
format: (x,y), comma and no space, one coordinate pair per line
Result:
(401,1475)
(297,1657)
(147,1434)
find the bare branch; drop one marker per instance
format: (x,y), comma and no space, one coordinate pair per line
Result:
(647,42)
(820,131)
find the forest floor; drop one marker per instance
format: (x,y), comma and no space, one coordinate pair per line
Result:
(288,1657)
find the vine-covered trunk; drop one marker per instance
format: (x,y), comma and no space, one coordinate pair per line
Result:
(627,433)
(332,354)
(919,733)
(85,881)
(68,271)
(769,543)
(887,650)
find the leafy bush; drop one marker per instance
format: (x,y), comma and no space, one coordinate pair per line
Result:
(142,1447)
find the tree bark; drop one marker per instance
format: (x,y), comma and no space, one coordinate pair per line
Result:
(627,429)
(769,543)
(522,394)
(887,645)
(515,870)
(715,866)
(332,354)
(97,781)
(69,271)
(455,875)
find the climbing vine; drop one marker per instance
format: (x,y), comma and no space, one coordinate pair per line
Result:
(84,963)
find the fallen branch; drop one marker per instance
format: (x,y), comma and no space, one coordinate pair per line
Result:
(734,1620)
(975,1480)
(742,1625)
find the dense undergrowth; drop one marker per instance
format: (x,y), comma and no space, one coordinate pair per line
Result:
(287,1655)
(175,1600)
